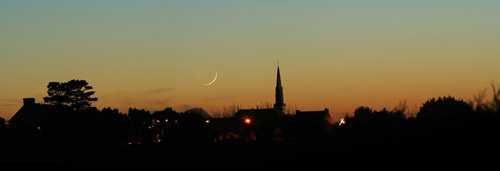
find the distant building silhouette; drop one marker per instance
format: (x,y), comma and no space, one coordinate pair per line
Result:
(272,125)
(257,117)
(279,105)
(258,124)
(320,116)
(314,121)
(2,123)
(30,116)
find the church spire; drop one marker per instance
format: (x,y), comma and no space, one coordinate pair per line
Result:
(278,79)
(279,105)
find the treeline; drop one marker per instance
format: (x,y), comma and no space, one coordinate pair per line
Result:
(444,117)
(444,120)
(109,127)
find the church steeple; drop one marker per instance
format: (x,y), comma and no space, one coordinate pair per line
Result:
(279,105)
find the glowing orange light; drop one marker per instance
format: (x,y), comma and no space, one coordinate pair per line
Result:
(247,120)
(157,121)
(207,121)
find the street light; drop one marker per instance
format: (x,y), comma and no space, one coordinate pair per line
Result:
(247,120)
(342,121)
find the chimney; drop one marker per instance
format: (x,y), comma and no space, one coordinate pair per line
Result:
(29,101)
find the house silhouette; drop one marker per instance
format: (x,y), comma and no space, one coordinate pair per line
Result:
(31,116)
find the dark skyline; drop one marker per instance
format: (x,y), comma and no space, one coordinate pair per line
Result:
(264,137)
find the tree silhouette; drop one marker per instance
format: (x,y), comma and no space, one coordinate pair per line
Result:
(226,112)
(486,107)
(444,112)
(495,104)
(362,111)
(75,94)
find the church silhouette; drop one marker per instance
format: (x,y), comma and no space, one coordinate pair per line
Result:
(275,125)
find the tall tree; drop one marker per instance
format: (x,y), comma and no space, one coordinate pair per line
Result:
(74,93)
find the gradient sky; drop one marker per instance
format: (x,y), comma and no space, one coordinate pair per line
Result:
(332,54)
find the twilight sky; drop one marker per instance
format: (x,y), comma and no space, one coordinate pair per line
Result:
(333,54)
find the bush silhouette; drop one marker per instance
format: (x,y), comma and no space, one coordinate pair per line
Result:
(445,112)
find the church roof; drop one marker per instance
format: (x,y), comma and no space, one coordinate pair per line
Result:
(314,115)
(258,115)
(257,112)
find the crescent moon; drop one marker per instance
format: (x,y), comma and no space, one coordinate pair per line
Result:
(210,83)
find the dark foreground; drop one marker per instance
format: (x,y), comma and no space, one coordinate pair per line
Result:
(420,155)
